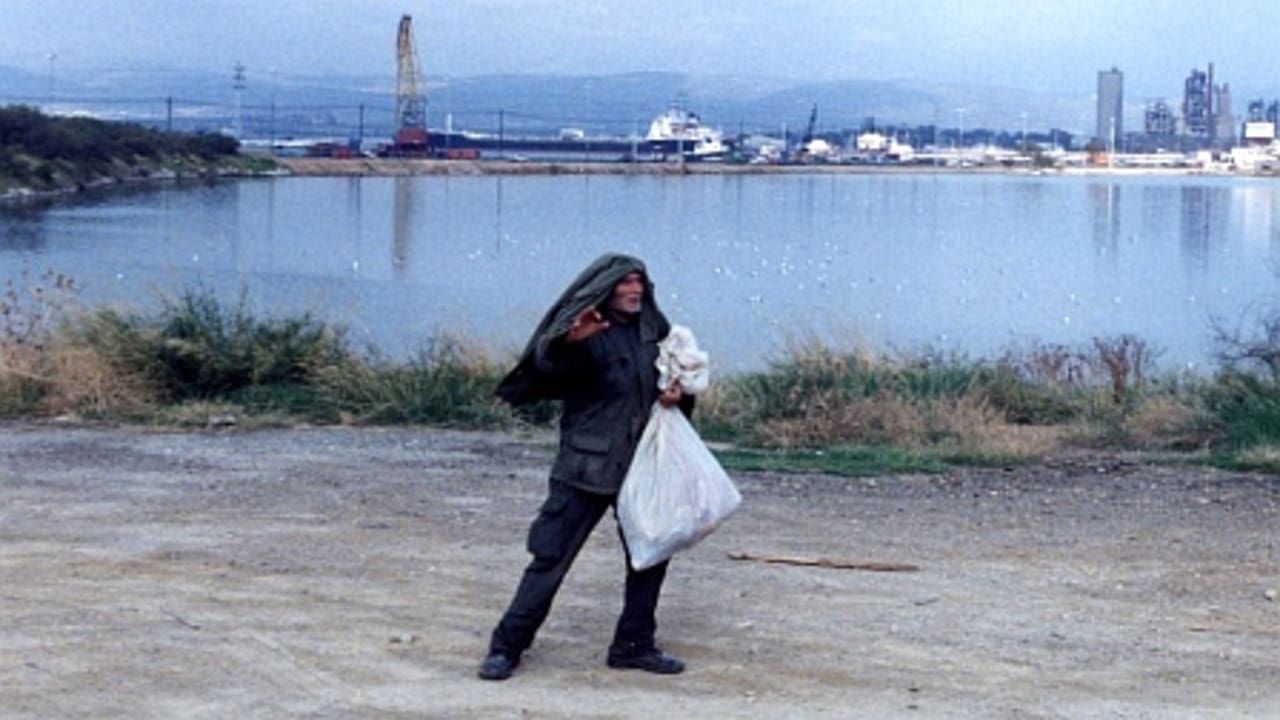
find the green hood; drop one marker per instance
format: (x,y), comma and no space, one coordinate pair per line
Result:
(592,287)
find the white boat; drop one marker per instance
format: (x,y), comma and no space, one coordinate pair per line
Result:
(680,132)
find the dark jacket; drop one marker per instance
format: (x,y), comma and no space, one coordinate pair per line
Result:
(608,382)
(611,385)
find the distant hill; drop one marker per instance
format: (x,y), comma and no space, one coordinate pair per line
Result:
(23,86)
(615,104)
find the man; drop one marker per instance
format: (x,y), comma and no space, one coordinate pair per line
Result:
(595,351)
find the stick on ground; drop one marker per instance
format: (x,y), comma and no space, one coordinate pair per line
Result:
(826,562)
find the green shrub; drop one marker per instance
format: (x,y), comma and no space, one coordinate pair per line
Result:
(1246,408)
(199,348)
(208,350)
(448,382)
(88,140)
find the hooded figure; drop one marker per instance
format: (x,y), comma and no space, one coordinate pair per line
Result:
(591,288)
(595,350)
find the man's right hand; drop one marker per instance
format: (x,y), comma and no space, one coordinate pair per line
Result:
(588,323)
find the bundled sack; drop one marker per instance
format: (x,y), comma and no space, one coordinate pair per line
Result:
(680,361)
(675,492)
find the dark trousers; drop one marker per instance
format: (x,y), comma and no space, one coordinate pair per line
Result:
(563,524)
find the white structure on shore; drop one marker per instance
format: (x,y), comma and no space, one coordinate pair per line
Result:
(873,145)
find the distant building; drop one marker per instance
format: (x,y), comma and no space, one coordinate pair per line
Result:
(1158,119)
(1224,124)
(1259,132)
(1110,126)
(1197,105)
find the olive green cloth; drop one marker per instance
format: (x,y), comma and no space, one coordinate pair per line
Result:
(593,287)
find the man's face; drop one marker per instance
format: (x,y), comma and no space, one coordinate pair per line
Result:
(628,294)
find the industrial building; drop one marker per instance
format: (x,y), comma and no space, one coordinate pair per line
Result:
(1197,105)
(1159,120)
(1224,124)
(1206,111)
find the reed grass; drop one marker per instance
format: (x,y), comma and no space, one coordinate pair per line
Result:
(842,405)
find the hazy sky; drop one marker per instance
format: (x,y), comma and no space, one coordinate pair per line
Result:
(1045,44)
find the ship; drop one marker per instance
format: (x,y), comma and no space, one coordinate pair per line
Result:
(675,134)
(679,132)
(445,141)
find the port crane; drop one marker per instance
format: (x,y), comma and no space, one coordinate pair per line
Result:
(411,108)
(812,149)
(808,133)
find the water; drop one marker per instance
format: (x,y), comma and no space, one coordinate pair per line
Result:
(973,263)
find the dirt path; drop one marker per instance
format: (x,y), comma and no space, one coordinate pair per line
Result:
(357,573)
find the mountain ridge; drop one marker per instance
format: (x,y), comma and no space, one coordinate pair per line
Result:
(613,104)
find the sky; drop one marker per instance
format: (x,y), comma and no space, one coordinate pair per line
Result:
(1042,45)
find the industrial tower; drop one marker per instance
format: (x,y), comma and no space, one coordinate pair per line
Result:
(411,112)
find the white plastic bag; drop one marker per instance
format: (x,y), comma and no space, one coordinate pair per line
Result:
(675,492)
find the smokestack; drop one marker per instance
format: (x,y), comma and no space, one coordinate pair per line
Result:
(1213,110)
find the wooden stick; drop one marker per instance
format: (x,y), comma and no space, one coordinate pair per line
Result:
(826,562)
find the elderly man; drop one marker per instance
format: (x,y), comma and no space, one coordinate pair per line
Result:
(595,351)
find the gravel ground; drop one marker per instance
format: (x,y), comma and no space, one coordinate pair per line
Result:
(357,573)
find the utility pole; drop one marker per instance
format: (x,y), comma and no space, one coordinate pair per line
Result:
(237,83)
(168,114)
(53,60)
(272,120)
(937,124)
(360,130)
(501,132)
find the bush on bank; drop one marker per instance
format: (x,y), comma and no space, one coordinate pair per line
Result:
(44,153)
(198,358)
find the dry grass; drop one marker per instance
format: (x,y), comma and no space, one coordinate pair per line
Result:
(81,380)
(22,384)
(1161,421)
(965,425)
(203,414)
(1260,457)
(66,378)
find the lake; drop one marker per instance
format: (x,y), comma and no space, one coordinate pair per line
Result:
(972,263)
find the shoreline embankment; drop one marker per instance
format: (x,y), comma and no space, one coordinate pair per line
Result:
(399,167)
(411,167)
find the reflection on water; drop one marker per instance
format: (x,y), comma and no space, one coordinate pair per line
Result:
(497,217)
(22,234)
(1197,205)
(402,228)
(969,262)
(1106,218)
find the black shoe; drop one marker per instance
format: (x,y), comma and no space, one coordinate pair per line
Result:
(650,661)
(497,666)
